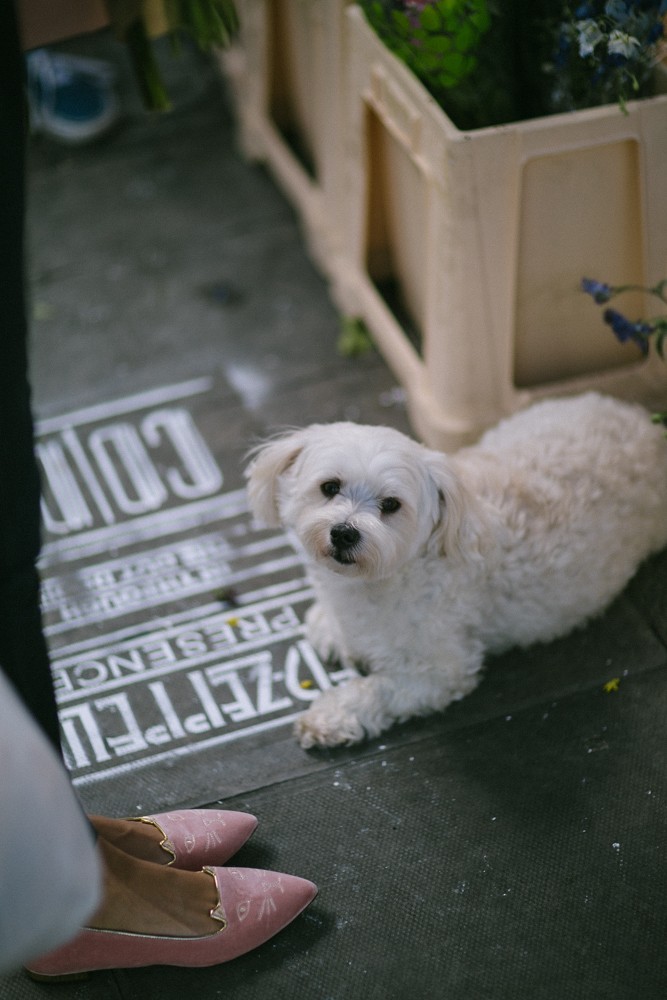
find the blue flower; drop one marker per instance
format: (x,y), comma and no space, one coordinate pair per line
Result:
(625,330)
(616,9)
(600,291)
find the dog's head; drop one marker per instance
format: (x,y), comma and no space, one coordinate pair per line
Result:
(363,500)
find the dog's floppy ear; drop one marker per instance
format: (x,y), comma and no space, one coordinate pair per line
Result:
(462,531)
(268,462)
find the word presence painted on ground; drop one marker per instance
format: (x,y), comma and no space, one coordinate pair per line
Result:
(194,684)
(139,537)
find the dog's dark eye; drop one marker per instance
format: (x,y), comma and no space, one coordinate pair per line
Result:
(389,505)
(331,487)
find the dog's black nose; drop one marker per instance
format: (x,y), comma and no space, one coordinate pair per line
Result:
(344,536)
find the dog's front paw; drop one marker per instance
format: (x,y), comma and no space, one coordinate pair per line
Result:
(328,724)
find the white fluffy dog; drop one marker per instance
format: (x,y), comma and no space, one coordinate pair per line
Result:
(423,562)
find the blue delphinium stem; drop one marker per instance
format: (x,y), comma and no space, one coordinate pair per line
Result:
(600,291)
(625,330)
(640,331)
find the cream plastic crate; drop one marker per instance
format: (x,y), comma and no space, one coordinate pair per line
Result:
(488,234)
(287,79)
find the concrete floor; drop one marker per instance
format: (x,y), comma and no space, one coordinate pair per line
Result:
(513,847)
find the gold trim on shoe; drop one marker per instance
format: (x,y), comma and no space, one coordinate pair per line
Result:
(217,913)
(165,843)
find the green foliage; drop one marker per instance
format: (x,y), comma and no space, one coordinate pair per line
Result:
(488,62)
(208,22)
(438,42)
(354,339)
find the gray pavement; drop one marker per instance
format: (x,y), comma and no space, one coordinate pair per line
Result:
(512,847)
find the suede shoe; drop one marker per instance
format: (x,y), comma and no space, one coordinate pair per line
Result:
(253,905)
(198,837)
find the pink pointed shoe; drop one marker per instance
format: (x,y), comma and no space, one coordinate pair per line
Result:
(198,837)
(253,905)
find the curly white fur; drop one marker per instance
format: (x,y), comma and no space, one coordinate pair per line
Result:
(435,560)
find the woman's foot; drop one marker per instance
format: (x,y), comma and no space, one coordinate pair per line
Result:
(142,841)
(145,898)
(189,839)
(152,915)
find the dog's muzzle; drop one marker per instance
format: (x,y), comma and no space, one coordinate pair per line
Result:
(344,538)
